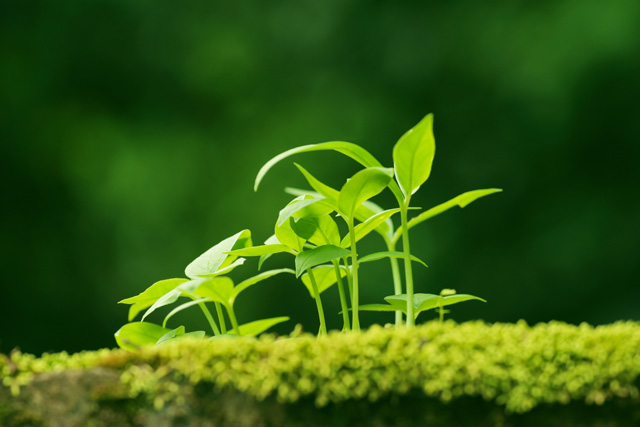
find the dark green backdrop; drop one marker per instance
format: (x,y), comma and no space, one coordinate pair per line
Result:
(131,132)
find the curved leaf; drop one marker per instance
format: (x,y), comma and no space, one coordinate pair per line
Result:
(134,335)
(194,334)
(180,308)
(287,236)
(262,250)
(171,334)
(256,279)
(322,189)
(448,300)
(218,289)
(362,186)
(388,254)
(258,326)
(461,200)
(368,226)
(166,299)
(317,256)
(325,230)
(413,156)
(304,206)
(150,295)
(208,264)
(325,276)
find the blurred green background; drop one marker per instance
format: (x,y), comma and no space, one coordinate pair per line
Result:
(131,133)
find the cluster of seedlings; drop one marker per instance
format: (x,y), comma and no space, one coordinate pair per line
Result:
(306,228)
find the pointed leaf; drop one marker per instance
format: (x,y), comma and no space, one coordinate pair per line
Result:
(195,334)
(400,301)
(256,279)
(362,186)
(320,231)
(180,308)
(448,300)
(388,254)
(461,200)
(287,236)
(262,250)
(171,334)
(304,206)
(273,240)
(317,256)
(208,264)
(377,307)
(134,335)
(166,299)
(413,156)
(368,226)
(324,190)
(257,327)
(150,295)
(325,276)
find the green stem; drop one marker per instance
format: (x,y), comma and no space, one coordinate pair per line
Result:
(354,274)
(346,325)
(314,286)
(223,325)
(397,281)
(345,261)
(207,314)
(234,321)
(407,262)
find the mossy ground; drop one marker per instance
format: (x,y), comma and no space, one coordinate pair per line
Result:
(443,374)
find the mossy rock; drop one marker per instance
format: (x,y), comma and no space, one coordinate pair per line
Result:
(448,374)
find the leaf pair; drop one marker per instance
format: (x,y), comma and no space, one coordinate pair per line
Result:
(421,302)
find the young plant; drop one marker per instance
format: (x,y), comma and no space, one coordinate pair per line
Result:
(413,157)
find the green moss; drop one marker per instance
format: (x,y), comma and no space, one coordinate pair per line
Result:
(514,366)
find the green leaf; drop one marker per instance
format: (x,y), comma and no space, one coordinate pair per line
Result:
(320,231)
(449,300)
(180,308)
(317,256)
(461,200)
(150,295)
(362,186)
(257,327)
(363,212)
(424,302)
(413,156)
(272,240)
(287,236)
(256,279)
(134,335)
(166,299)
(303,227)
(377,307)
(322,189)
(171,334)
(218,289)
(325,278)
(208,264)
(195,334)
(388,254)
(368,226)
(262,250)
(304,206)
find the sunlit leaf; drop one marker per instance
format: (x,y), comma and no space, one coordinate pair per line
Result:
(150,295)
(325,276)
(287,236)
(413,156)
(134,335)
(262,250)
(362,186)
(259,326)
(218,289)
(320,231)
(388,254)
(369,225)
(195,334)
(256,279)
(216,258)
(317,256)
(171,334)
(304,206)
(166,299)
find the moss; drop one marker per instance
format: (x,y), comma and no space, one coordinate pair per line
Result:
(511,366)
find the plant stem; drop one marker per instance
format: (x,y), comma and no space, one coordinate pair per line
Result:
(316,293)
(397,281)
(354,276)
(209,317)
(407,262)
(234,321)
(345,261)
(223,326)
(343,299)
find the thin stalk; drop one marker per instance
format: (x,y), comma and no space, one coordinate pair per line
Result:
(314,286)
(397,281)
(441,314)
(223,325)
(234,321)
(207,314)
(407,262)
(345,261)
(343,298)
(354,274)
